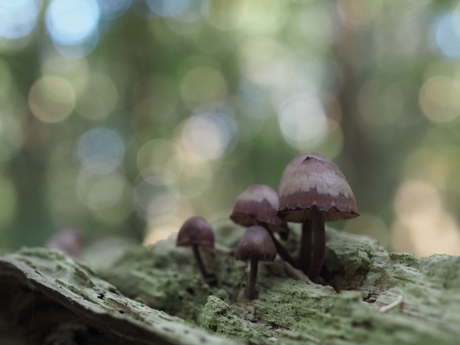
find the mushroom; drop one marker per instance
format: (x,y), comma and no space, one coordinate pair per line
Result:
(255,245)
(316,193)
(196,232)
(258,205)
(307,234)
(69,240)
(294,164)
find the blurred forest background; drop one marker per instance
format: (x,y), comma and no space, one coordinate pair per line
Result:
(124,117)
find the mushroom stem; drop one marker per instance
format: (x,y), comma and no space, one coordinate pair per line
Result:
(284,236)
(279,247)
(319,245)
(208,278)
(250,289)
(305,246)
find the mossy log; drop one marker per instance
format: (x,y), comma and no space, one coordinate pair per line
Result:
(156,296)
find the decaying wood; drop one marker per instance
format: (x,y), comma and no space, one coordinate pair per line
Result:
(156,296)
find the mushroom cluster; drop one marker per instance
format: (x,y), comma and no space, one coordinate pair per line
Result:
(258,205)
(312,191)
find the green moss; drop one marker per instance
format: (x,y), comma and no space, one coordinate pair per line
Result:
(219,318)
(69,292)
(369,296)
(361,278)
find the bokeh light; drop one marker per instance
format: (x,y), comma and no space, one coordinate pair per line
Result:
(261,17)
(72,22)
(158,232)
(303,122)
(18,18)
(369,225)
(424,226)
(169,8)
(318,24)
(333,142)
(111,9)
(109,197)
(439,98)
(160,153)
(52,99)
(447,34)
(156,197)
(195,179)
(75,71)
(100,191)
(208,135)
(73,26)
(100,150)
(125,117)
(223,20)
(261,61)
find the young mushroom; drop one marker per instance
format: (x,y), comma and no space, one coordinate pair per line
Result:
(316,193)
(69,240)
(258,205)
(255,245)
(196,232)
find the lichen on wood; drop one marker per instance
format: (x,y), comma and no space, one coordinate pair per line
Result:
(49,299)
(360,279)
(367,295)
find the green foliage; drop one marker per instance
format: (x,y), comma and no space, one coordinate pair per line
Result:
(218,95)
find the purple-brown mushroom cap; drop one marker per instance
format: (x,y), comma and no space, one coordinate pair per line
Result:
(319,184)
(294,164)
(256,243)
(69,240)
(259,203)
(196,230)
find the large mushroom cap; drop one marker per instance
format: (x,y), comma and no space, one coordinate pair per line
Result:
(195,230)
(256,243)
(258,203)
(318,184)
(294,164)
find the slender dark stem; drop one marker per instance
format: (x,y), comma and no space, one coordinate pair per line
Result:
(319,246)
(306,240)
(279,247)
(284,235)
(250,289)
(208,278)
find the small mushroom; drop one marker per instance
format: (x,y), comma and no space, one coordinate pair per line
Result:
(255,245)
(69,240)
(258,205)
(316,193)
(196,232)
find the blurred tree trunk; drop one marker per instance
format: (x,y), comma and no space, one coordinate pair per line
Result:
(360,156)
(27,170)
